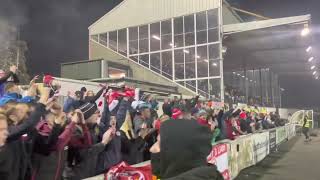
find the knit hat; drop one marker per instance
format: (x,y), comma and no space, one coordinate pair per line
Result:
(176,113)
(88,109)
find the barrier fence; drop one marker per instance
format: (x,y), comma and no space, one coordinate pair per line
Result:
(231,157)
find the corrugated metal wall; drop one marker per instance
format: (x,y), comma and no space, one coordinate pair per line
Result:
(136,12)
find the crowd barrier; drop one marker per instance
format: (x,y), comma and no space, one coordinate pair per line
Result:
(231,157)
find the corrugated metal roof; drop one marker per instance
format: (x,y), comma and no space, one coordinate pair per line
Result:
(136,12)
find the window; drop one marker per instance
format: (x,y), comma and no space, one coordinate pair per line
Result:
(179,64)
(103,39)
(190,62)
(191,85)
(201,28)
(214,88)
(134,58)
(214,68)
(113,40)
(214,51)
(213,25)
(178,32)
(122,41)
(144,60)
(155,37)
(213,21)
(166,35)
(94,37)
(167,64)
(116,73)
(189,30)
(155,62)
(133,40)
(143,39)
(202,61)
(203,88)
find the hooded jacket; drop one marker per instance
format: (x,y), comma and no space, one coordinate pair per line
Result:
(184,148)
(16,98)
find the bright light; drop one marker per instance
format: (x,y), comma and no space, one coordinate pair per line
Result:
(214,64)
(305,31)
(234,72)
(309,49)
(242,76)
(205,60)
(317,77)
(156,37)
(310,59)
(250,80)
(171,44)
(312,67)
(198,57)
(186,51)
(239,75)
(314,72)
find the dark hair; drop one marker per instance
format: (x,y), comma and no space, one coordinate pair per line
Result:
(84,89)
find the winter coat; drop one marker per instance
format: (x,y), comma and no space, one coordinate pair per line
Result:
(15,98)
(70,105)
(16,155)
(48,158)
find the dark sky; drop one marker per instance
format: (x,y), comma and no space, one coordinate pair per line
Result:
(56,31)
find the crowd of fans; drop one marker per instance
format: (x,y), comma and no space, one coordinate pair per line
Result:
(41,139)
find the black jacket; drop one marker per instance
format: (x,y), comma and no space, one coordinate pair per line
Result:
(184,148)
(15,155)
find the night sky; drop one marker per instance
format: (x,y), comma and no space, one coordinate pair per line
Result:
(56,32)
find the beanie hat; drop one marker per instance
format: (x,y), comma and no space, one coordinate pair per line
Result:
(88,109)
(176,113)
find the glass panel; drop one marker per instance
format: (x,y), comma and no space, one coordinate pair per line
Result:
(103,39)
(134,58)
(190,62)
(203,88)
(202,61)
(214,51)
(191,85)
(189,23)
(202,37)
(178,25)
(179,64)
(214,89)
(113,40)
(178,32)
(94,37)
(213,18)
(133,40)
(189,30)
(213,35)
(155,62)
(155,36)
(122,44)
(144,60)
(201,21)
(214,68)
(143,39)
(167,64)
(166,35)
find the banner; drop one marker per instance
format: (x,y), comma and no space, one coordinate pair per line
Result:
(273,140)
(281,134)
(260,146)
(219,157)
(240,155)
